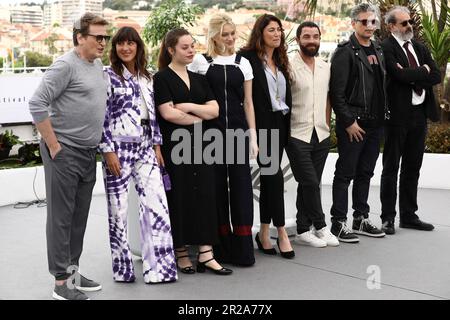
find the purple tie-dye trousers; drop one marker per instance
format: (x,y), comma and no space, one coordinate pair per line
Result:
(138,162)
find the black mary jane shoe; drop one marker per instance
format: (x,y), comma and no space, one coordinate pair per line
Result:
(202,266)
(270,251)
(188,269)
(286,254)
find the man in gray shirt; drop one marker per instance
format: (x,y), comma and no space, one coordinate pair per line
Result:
(68,109)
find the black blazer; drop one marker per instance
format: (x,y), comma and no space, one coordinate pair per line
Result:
(400,81)
(261,96)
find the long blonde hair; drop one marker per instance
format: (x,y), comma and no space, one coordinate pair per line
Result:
(216,24)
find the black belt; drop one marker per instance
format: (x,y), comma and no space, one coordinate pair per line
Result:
(145,122)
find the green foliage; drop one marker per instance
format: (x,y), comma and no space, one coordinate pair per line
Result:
(437,37)
(50,42)
(438,41)
(169,15)
(118,4)
(310,7)
(35,59)
(333,138)
(105,58)
(8,140)
(438,138)
(29,154)
(222,3)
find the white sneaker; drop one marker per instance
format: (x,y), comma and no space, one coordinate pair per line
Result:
(308,238)
(325,234)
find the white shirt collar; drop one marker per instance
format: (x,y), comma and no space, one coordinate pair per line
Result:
(400,41)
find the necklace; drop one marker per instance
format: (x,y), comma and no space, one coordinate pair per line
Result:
(277,96)
(275,76)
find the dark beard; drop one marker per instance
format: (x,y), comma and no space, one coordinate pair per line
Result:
(311,52)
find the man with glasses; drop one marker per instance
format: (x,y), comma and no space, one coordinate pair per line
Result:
(68,109)
(357,91)
(412,74)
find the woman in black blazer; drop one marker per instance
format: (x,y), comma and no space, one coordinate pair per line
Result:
(267,52)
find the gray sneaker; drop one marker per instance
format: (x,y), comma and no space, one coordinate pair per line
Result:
(87,284)
(64,293)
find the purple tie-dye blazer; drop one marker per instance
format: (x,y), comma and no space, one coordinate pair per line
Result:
(123,116)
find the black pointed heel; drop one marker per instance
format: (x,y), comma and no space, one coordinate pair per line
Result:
(202,267)
(286,254)
(188,269)
(270,251)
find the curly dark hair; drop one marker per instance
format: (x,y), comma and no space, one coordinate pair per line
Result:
(256,43)
(140,61)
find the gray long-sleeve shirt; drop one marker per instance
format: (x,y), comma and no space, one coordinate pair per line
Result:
(73,95)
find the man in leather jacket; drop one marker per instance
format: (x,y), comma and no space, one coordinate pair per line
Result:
(358,98)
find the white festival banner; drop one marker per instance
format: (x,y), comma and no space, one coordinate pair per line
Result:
(15,93)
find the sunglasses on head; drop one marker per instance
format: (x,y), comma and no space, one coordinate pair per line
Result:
(99,37)
(365,22)
(405,23)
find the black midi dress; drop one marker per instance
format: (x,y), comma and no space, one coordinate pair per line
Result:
(192,198)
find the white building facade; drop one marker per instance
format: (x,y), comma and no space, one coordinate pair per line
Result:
(65,12)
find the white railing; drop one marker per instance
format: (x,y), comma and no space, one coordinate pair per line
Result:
(10,70)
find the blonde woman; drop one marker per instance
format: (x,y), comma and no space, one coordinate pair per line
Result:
(230,77)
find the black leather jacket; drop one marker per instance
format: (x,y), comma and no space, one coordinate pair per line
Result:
(352,83)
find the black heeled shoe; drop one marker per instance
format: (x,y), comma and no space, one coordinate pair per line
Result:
(286,254)
(201,266)
(270,251)
(188,269)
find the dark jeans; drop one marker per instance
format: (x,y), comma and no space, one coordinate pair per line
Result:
(307,161)
(69,180)
(408,143)
(356,162)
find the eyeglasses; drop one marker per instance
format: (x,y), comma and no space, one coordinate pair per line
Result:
(365,22)
(99,37)
(405,23)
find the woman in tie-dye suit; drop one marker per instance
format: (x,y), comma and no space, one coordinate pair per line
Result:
(131,150)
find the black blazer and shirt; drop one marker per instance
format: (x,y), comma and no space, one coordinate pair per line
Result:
(271,198)
(401,81)
(405,130)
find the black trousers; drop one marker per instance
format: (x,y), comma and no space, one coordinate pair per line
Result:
(356,162)
(307,162)
(271,196)
(408,144)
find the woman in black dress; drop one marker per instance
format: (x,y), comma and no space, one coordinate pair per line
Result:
(185,103)
(266,50)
